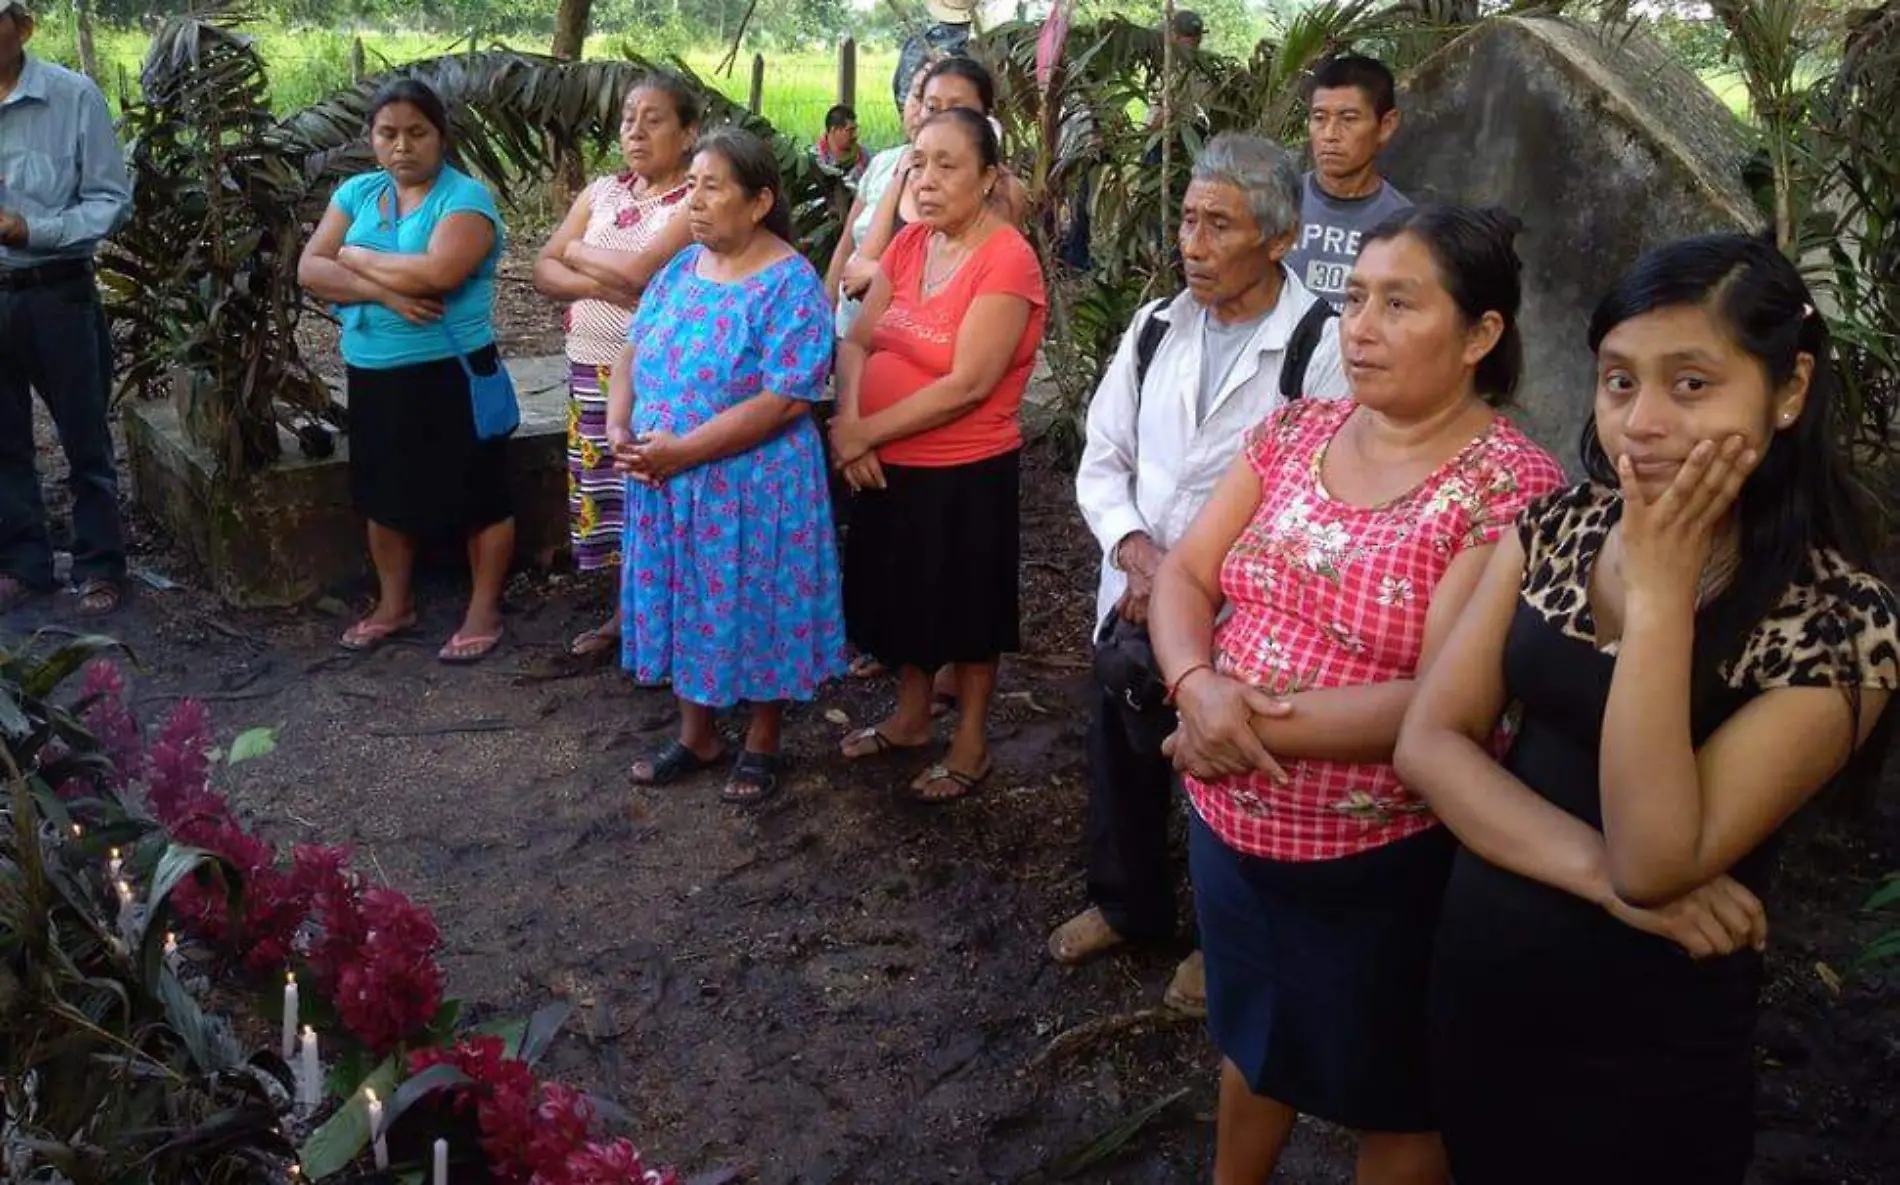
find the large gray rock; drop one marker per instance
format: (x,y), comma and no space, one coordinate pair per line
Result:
(1602,143)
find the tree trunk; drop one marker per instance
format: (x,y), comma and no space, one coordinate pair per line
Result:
(570,40)
(82,37)
(570,28)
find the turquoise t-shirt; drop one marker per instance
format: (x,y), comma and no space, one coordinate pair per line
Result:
(374,338)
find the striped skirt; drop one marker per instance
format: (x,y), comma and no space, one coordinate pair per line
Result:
(596,494)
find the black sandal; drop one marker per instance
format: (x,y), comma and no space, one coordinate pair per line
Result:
(754,778)
(673,761)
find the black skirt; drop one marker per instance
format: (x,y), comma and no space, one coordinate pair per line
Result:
(415,464)
(1317,974)
(930,564)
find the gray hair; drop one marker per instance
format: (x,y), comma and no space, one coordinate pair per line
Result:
(1264,172)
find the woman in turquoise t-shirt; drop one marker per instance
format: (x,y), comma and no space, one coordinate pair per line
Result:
(407,254)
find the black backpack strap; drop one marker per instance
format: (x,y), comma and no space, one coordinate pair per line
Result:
(1300,347)
(1147,342)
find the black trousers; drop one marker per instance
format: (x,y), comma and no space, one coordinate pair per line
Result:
(1132,788)
(53,340)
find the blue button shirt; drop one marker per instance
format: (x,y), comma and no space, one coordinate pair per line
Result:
(60,166)
(375,338)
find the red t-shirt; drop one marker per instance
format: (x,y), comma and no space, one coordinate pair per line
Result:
(916,339)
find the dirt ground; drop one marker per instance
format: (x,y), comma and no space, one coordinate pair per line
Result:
(844,987)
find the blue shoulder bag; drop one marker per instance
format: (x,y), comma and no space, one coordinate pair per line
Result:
(497,412)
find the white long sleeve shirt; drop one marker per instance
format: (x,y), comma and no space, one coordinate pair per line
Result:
(1150,463)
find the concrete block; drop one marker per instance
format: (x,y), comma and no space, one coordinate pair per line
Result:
(1602,143)
(287,534)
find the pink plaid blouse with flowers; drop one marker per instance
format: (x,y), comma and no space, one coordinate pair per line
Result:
(1330,595)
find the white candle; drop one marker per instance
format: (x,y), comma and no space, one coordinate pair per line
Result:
(377,1145)
(441,1163)
(310,1081)
(78,831)
(113,864)
(125,905)
(290,1015)
(171,952)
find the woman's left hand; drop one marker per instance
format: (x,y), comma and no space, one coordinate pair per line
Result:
(1667,540)
(352,257)
(656,456)
(849,440)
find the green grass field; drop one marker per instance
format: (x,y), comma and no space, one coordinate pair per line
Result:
(309,64)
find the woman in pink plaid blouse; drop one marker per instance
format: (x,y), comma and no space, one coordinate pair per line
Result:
(1342,540)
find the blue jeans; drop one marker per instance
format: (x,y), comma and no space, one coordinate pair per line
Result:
(53,340)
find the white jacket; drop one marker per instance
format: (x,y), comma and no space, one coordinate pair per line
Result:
(1147,466)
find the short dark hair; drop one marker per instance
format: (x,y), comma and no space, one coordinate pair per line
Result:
(755,167)
(1476,254)
(1187,23)
(417,94)
(839,116)
(977,127)
(687,104)
(1357,70)
(974,71)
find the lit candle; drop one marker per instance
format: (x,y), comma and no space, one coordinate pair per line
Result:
(113,864)
(125,905)
(377,1145)
(290,1015)
(441,1163)
(310,1080)
(78,831)
(171,951)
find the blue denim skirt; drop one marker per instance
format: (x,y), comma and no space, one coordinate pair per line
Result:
(1317,971)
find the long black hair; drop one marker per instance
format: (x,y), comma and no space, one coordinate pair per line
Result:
(755,168)
(1475,250)
(1800,498)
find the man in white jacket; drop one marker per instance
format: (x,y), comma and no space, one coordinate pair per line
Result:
(1192,376)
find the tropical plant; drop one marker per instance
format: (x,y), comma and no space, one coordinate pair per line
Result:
(203,280)
(1094,120)
(130,894)
(109,1068)
(1830,180)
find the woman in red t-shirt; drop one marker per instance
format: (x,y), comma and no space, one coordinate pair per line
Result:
(931,381)
(1343,539)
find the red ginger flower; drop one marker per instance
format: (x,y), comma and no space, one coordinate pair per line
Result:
(393,988)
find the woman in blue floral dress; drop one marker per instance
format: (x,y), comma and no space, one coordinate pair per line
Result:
(731,584)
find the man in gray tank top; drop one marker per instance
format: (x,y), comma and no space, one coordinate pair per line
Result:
(1351,115)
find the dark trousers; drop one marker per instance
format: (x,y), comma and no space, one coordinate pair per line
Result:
(1131,802)
(53,340)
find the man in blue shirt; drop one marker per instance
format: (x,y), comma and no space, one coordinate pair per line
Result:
(63,187)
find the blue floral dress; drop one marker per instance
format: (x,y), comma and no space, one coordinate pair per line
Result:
(731,586)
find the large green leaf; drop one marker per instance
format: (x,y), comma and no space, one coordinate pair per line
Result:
(345,1134)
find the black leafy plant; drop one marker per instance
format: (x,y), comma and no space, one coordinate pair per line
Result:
(203,280)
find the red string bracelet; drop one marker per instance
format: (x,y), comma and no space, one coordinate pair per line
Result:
(1182,678)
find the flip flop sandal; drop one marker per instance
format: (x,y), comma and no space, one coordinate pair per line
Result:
(99,597)
(673,761)
(881,744)
(367,635)
(920,789)
(754,779)
(595,645)
(462,650)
